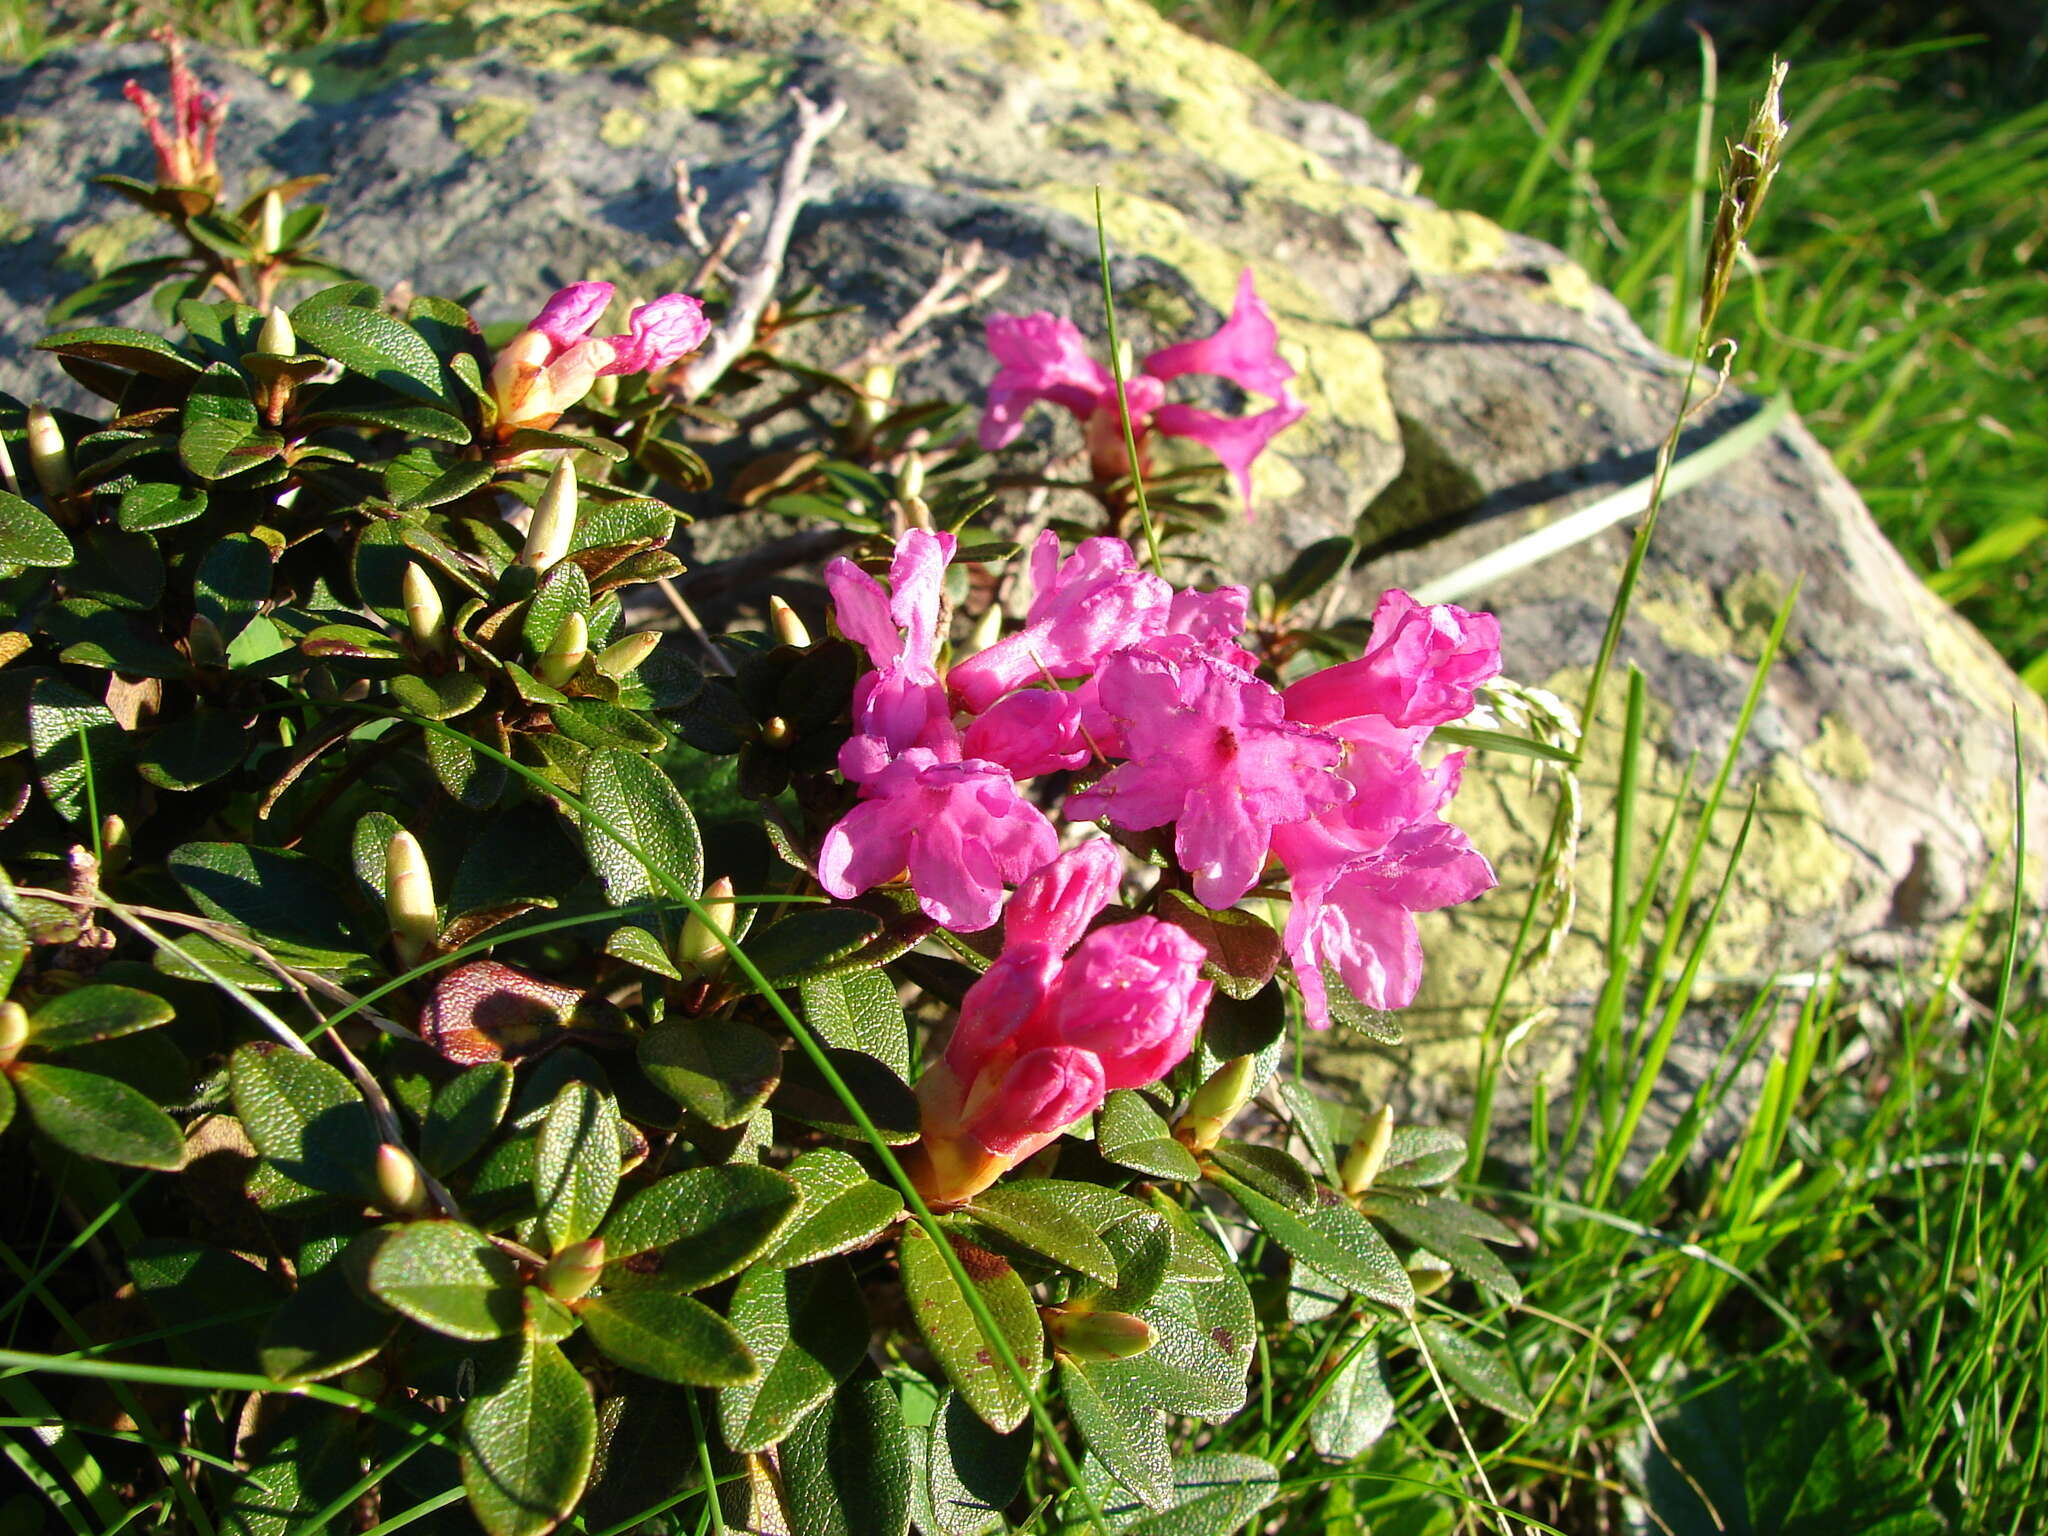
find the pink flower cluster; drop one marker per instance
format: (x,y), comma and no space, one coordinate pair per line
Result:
(1326,776)
(1043,357)
(185,147)
(552,364)
(1060,1019)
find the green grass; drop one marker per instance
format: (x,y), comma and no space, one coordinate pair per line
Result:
(1897,293)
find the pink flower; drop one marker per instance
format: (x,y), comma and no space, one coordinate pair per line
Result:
(1132,995)
(902,703)
(1031,731)
(1043,357)
(1421,668)
(959,827)
(1211,751)
(552,364)
(1093,602)
(184,149)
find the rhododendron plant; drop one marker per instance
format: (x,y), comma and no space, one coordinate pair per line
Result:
(1044,358)
(554,361)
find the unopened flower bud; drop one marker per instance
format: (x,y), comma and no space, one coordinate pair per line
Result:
(565,653)
(699,947)
(277,338)
(553,527)
(117,844)
(8,479)
(409,899)
(877,388)
(400,1188)
(1368,1154)
(1216,1103)
(270,225)
(775,731)
(789,629)
(988,629)
(424,611)
(47,455)
(623,656)
(572,1272)
(910,479)
(1098,1337)
(13,1029)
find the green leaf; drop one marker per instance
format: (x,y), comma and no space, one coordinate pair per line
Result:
(1305,1110)
(1269,1170)
(809,939)
(28,537)
(1502,741)
(946,1322)
(412,420)
(273,893)
(466,1112)
(808,1328)
(7,1101)
(1130,1132)
(1430,1225)
(98,1117)
(1124,1431)
(700,1226)
(637,799)
(357,641)
(442,484)
(215,1300)
(301,1458)
(1243,950)
(1203,1336)
(86,1014)
(1784,1449)
(232,582)
(441,697)
(843,1209)
(450,1278)
(1422,1155)
(846,1465)
(636,946)
(1214,1494)
(606,727)
(1038,1223)
(858,1011)
(967,1472)
(1312,570)
(375,345)
(219,418)
(136,350)
(1144,1251)
(147,508)
(719,1069)
(1482,1373)
(1333,1239)
(305,1117)
(562,591)
(1357,1408)
(804,1094)
(527,1444)
(326,1327)
(669,1336)
(206,745)
(58,717)
(576,1165)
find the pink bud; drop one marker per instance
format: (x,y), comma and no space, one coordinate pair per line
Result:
(1420,669)
(659,333)
(1029,732)
(1044,1090)
(998,1006)
(1133,996)
(1056,904)
(570,314)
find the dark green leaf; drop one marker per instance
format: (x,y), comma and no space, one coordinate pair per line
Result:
(28,537)
(413,420)
(326,1327)
(451,1278)
(1124,1431)
(657,840)
(272,892)
(858,1011)
(576,1165)
(527,1444)
(1357,1408)
(306,1118)
(700,1226)
(1333,1239)
(444,484)
(1311,1124)
(358,641)
(219,419)
(466,1113)
(1477,1369)
(301,1457)
(1422,1155)
(1269,1170)
(233,582)
(846,1465)
(375,345)
(1203,1338)
(949,1327)
(1312,570)
(968,1472)
(1143,1251)
(842,1208)
(1129,1131)
(562,591)
(718,1069)
(1429,1225)
(1214,1494)
(441,697)
(1040,1225)
(123,348)
(669,1336)
(98,1117)
(204,746)
(808,1329)
(86,1014)
(809,939)
(805,1094)
(215,1300)
(636,946)
(596,724)
(59,717)
(147,508)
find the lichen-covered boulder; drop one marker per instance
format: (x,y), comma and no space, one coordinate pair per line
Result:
(1463,385)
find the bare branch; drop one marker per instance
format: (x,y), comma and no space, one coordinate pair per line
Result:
(742,321)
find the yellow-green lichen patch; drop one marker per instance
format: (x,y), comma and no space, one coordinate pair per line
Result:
(1681,610)
(1570,286)
(14,228)
(713,83)
(1445,241)
(1750,604)
(487,126)
(99,248)
(12,131)
(1417,316)
(620,127)
(1839,752)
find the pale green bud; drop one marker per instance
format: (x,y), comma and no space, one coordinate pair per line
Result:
(572,1272)
(47,455)
(1098,1337)
(1368,1154)
(409,899)
(910,481)
(117,844)
(623,656)
(1216,1103)
(789,629)
(13,1029)
(270,225)
(277,338)
(553,526)
(698,946)
(988,629)
(400,1188)
(424,611)
(565,653)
